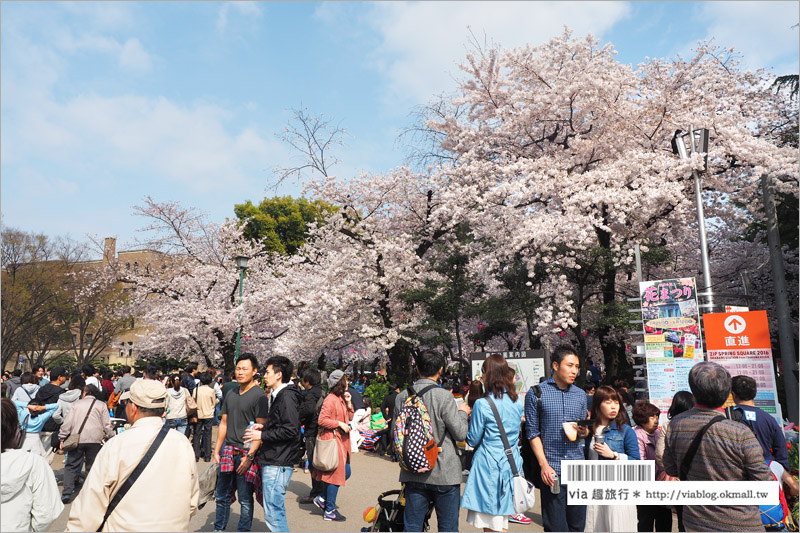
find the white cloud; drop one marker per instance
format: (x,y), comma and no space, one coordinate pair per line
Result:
(133,56)
(245,9)
(191,145)
(421,43)
(761,31)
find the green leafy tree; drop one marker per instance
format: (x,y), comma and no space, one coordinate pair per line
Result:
(281,223)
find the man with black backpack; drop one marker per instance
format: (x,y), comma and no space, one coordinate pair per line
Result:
(441,485)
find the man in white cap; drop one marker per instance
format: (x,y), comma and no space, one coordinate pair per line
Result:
(165,494)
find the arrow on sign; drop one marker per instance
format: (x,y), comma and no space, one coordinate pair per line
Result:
(735,324)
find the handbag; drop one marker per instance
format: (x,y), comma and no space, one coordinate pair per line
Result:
(74,439)
(326,454)
(191,407)
(524,491)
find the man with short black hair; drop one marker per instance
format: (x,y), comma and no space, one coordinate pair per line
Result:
(560,401)
(15,382)
(308,417)
(280,439)
(166,494)
(441,486)
(236,458)
(728,451)
(764,426)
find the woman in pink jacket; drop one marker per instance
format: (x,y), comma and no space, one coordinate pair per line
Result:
(334,423)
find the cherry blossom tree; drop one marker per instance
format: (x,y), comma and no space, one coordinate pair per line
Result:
(564,150)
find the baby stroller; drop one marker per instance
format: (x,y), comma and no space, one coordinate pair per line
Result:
(388,514)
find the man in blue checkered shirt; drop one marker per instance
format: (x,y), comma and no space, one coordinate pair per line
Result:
(561,402)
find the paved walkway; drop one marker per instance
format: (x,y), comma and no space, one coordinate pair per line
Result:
(371,476)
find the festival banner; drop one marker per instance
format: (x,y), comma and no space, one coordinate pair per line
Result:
(740,342)
(673,343)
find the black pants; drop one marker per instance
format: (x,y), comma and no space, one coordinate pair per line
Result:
(202,438)
(85,453)
(679,512)
(654,518)
(384,440)
(317,486)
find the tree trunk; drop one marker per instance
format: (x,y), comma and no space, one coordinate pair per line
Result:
(613,351)
(400,362)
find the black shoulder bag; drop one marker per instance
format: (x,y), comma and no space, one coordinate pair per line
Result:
(134,475)
(530,464)
(683,472)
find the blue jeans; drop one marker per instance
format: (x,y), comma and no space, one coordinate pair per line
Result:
(216,413)
(331,491)
(557,515)
(445,498)
(244,493)
(274,480)
(177,423)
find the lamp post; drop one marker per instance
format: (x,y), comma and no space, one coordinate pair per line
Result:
(241,263)
(698,142)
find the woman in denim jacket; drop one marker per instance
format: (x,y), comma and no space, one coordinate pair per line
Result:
(620,445)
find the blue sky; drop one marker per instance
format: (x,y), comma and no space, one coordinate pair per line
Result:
(104,103)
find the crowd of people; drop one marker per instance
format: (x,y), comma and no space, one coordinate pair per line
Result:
(274,419)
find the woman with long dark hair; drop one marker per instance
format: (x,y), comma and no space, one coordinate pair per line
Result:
(176,405)
(488,494)
(681,402)
(334,423)
(30,497)
(613,440)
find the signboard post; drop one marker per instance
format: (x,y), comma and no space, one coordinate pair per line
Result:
(673,344)
(740,342)
(528,366)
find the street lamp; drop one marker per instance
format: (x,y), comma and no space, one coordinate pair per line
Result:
(241,263)
(698,142)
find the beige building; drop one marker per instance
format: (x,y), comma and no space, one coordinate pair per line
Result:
(122,347)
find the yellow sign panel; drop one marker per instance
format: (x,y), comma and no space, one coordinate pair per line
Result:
(671,322)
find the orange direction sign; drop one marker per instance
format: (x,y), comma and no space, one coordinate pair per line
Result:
(737,331)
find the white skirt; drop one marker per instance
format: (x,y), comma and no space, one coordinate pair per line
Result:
(611,518)
(489,521)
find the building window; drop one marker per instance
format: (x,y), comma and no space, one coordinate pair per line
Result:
(74,340)
(89,338)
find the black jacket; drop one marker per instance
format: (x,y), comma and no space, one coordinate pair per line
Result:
(48,394)
(356,398)
(280,439)
(308,411)
(388,405)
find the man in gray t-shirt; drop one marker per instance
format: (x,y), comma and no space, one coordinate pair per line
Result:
(237,470)
(241,409)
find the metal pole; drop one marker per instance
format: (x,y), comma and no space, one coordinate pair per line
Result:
(701,222)
(239,331)
(638,253)
(785,335)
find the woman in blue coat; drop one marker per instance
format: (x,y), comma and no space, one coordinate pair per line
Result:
(488,495)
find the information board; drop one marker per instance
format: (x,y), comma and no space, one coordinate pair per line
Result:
(740,342)
(528,366)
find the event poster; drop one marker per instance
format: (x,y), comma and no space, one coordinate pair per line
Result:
(740,342)
(673,342)
(528,366)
